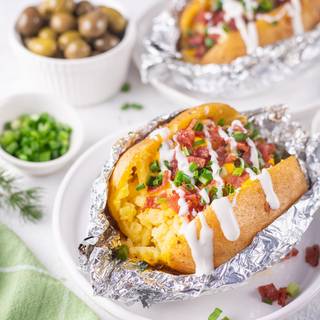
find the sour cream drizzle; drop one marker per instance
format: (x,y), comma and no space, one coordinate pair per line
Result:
(162,132)
(253,153)
(202,248)
(266,184)
(183,163)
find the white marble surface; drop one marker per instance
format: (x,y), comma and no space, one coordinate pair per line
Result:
(98,122)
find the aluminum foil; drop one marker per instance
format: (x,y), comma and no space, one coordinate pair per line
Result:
(161,61)
(126,282)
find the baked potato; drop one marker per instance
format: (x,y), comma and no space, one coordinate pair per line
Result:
(195,192)
(220,31)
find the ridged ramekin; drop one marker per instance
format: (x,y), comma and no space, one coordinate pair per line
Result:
(80,82)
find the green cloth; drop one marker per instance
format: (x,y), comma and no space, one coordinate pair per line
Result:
(28,292)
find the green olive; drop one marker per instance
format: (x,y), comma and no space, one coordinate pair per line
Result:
(29,22)
(105,43)
(43,47)
(77,49)
(93,24)
(117,23)
(54,6)
(83,7)
(62,22)
(68,37)
(47,33)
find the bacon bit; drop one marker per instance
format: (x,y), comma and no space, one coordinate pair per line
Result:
(246,157)
(186,137)
(230,158)
(222,155)
(235,180)
(312,255)
(293,253)
(266,149)
(201,17)
(193,201)
(201,152)
(197,160)
(242,146)
(173,202)
(151,203)
(215,37)
(200,51)
(232,25)
(196,40)
(268,292)
(216,140)
(174,167)
(218,17)
(282,297)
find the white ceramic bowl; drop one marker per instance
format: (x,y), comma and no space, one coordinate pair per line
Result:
(80,82)
(13,106)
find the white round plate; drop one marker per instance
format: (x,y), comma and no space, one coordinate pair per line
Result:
(70,220)
(297,91)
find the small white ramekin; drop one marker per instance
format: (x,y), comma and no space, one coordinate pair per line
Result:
(14,106)
(80,82)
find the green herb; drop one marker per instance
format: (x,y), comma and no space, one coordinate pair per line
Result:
(217,5)
(225,318)
(36,138)
(181,178)
(239,136)
(228,189)
(215,314)
(122,252)
(13,198)
(265,6)
(226,27)
(255,170)
(221,122)
(237,172)
(205,176)
(154,181)
(186,151)
(140,186)
(135,106)
(293,289)
(208,42)
(154,166)
(190,186)
(167,164)
(193,167)
(198,143)
(126,87)
(213,192)
(267,300)
(255,134)
(142,265)
(198,126)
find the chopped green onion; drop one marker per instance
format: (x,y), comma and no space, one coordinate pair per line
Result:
(265,6)
(213,192)
(193,167)
(225,318)
(221,122)
(154,166)
(167,164)
(226,27)
(140,186)
(267,300)
(190,186)
(228,189)
(186,151)
(122,252)
(255,134)
(218,5)
(293,289)
(237,172)
(205,176)
(208,42)
(136,106)
(215,314)
(154,181)
(198,126)
(181,178)
(239,136)
(126,87)
(198,143)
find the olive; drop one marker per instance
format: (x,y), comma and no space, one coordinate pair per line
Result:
(68,37)
(105,43)
(29,22)
(116,22)
(83,7)
(77,49)
(54,6)
(62,22)
(43,47)
(47,33)
(93,24)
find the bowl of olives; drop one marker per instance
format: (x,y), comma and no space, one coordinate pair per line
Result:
(78,50)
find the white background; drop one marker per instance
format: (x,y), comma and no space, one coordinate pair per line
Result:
(101,120)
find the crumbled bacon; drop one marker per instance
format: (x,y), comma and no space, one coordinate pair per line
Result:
(185,137)
(282,297)
(313,255)
(201,152)
(173,201)
(151,203)
(235,180)
(230,158)
(242,146)
(232,25)
(174,167)
(201,16)
(268,292)
(222,155)
(193,201)
(216,140)
(200,162)
(218,17)
(266,149)
(196,40)
(293,253)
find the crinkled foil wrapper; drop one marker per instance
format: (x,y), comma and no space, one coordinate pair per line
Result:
(160,60)
(125,282)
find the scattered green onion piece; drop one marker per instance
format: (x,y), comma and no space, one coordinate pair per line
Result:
(198,126)
(215,314)
(126,87)
(208,42)
(226,27)
(154,181)
(239,136)
(221,122)
(154,166)
(205,176)
(140,186)
(293,289)
(228,189)
(122,252)
(135,106)
(186,151)
(198,143)
(265,6)
(218,5)
(237,172)
(193,167)
(267,301)
(167,164)
(181,178)
(225,318)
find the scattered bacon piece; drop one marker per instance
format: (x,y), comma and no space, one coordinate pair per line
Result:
(282,297)
(236,181)
(313,255)
(196,40)
(197,160)
(243,146)
(193,201)
(151,203)
(174,167)
(230,158)
(216,140)
(266,149)
(201,152)
(293,253)
(246,157)
(232,25)
(173,202)
(222,155)
(201,16)
(268,292)
(215,37)
(186,138)
(218,17)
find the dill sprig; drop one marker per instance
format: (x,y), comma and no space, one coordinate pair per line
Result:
(13,198)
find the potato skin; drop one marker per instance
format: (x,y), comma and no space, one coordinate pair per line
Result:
(233,46)
(251,210)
